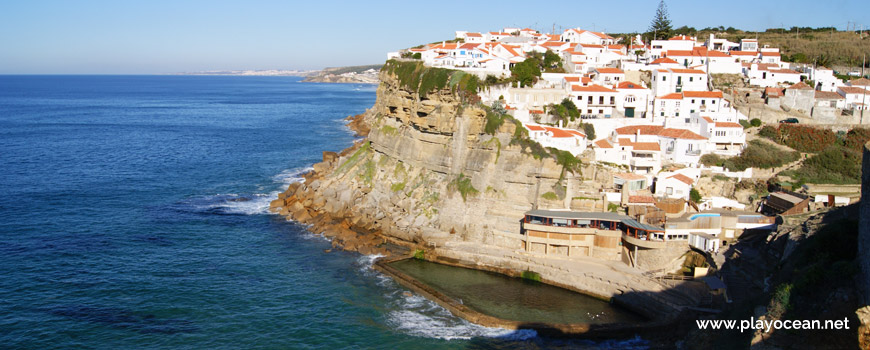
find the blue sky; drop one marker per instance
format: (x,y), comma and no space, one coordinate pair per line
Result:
(147,37)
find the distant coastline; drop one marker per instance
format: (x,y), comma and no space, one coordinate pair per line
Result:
(367,74)
(261,73)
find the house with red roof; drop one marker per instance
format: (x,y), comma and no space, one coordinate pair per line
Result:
(771,75)
(633,100)
(671,80)
(673,185)
(577,35)
(855,97)
(570,140)
(594,100)
(680,42)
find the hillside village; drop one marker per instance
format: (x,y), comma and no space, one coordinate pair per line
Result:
(650,112)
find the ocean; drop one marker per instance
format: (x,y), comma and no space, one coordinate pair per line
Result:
(133,214)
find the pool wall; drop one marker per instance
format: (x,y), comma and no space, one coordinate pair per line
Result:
(574,329)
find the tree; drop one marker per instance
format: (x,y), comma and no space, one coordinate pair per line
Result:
(694,195)
(661,24)
(526,73)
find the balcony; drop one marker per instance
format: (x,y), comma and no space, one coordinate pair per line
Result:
(694,152)
(644,162)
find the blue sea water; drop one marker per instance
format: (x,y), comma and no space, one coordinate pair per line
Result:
(133,215)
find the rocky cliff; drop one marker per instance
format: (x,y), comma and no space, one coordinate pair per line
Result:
(426,173)
(428,176)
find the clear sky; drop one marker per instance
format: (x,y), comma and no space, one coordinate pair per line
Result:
(145,37)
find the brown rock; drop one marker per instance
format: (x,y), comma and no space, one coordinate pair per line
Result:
(329,156)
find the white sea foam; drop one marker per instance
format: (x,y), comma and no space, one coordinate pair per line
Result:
(291,175)
(233,203)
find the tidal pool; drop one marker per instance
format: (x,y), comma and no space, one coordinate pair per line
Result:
(514,299)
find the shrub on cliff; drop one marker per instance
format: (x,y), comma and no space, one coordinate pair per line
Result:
(422,80)
(463,184)
(834,165)
(759,154)
(800,137)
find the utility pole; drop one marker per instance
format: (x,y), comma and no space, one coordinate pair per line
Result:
(864,97)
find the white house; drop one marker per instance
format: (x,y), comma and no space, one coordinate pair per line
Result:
(673,185)
(666,81)
(749,45)
(680,42)
(563,139)
(856,97)
(607,76)
(633,100)
(577,35)
(683,104)
(770,75)
(594,100)
(824,78)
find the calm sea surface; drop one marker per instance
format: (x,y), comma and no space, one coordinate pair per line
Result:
(133,215)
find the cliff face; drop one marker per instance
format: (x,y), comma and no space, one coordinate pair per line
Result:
(426,173)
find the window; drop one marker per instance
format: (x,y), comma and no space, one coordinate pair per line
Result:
(663,103)
(601,100)
(693,101)
(612,100)
(600,111)
(669,190)
(663,114)
(579,98)
(629,98)
(691,79)
(589,101)
(677,106)
(663,78)
(703,102)
(713,101)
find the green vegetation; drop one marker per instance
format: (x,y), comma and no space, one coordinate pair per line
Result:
(396,187)
(694,195)
(757,154)
(745,124)
(389,130)
(550,196)
(464,186)
(418,78)
(367,172)
(801,138)
(568,161)
(497,142)
(354,158)
(531,276)
(838,155)
(661,23)
(526,73)
(419,254)
(835,165)
(755,122)
(613,207)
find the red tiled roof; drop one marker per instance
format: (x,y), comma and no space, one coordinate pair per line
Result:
(687,180)
(703,94)
(852,89)
(681,134)
(687,71)
(728,125)
(572,79)
(708,119)
(767,53)
(743,53)
(606,70)
(785,71)
(557,132)
(536,111)
(800,86)
(773,92)
(828,95)
(641,199)
(591,88)
(629,176)
(473,35)
(672,96)
(664,60)
(553,43)
(644,129)
(859,82)
(603,144)
(644,146)
(629,85)
(535,127)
